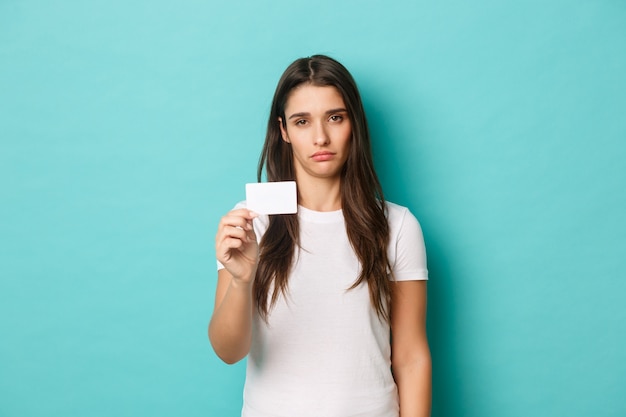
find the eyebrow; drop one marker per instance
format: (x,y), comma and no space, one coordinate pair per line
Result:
(331,111)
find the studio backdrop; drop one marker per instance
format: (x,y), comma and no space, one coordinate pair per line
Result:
(128,128)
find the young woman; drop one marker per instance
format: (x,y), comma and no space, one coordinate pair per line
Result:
(329,304)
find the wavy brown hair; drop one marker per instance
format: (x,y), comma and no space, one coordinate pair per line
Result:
(362,200)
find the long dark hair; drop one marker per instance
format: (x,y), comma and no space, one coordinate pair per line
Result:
(362,200)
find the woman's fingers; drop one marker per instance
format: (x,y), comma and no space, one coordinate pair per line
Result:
(236,233)
(232,232)
(233,226)
(226,242)
(240,217)
(224,254)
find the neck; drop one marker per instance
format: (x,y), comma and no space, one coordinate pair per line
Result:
(320,194)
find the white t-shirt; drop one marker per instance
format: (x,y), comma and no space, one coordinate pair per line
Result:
(325,352)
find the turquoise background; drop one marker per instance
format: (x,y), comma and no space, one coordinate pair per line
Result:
(127,128)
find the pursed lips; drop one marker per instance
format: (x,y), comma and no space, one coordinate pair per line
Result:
(322,156)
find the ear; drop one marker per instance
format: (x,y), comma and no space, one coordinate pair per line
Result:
(283,131)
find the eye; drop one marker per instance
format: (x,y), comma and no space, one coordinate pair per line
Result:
(300,122)
(336,118)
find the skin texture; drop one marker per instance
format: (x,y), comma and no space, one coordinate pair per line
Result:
(230,329)
(316,121)
(410,354)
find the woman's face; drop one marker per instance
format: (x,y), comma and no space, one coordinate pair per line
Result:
(319,130)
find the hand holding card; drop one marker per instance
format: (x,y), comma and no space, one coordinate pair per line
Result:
(272,197)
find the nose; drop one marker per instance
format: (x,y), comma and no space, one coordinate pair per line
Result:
(321,137)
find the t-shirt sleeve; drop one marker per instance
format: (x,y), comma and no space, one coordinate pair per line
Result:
(408,252)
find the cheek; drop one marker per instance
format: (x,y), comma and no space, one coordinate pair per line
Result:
(347,136)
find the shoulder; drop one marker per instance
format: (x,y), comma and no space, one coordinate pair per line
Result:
(406,250)
(394,209)
(399,216)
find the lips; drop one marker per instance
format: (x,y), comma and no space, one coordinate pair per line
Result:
(322,156)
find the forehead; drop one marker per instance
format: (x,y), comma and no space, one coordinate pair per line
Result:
(310,98)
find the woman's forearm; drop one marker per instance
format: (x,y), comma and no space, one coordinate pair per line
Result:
(230,329)
(414,387)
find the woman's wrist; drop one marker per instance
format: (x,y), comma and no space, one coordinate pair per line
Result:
(244,283)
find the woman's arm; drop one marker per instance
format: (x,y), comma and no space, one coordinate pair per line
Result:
(410,354)
(230,329)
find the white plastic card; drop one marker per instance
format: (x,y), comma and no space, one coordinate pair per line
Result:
(272,197)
